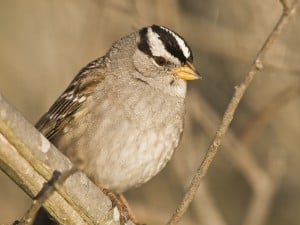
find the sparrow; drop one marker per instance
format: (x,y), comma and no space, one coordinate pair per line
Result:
(122,115)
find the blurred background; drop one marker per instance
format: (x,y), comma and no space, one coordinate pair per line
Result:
(254,179)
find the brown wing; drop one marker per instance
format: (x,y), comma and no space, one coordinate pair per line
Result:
(68,105)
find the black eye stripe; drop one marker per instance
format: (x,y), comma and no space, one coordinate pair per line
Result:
(171,43)
(143,44)
(168,40)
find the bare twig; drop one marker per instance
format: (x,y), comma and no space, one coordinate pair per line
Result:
(48,189)
(240,156)
(238,153)
(228,115)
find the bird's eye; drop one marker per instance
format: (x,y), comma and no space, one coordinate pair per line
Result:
(160,60)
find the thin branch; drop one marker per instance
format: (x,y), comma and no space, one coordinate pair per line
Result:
(229,113)
(57,179)
(241,157)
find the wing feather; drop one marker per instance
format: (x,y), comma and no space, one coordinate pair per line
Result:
(67,106)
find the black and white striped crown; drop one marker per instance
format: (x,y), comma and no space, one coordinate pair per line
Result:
(160,41)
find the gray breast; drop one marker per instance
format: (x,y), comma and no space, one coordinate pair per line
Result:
(130,138)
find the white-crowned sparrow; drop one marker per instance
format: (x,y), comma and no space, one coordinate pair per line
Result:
(122,115)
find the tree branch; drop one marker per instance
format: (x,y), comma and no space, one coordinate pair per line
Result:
(229,113)
(29,160)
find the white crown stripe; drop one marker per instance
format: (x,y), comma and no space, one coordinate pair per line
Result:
(157,48)
(180,42)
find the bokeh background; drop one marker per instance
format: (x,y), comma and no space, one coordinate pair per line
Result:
(254,179)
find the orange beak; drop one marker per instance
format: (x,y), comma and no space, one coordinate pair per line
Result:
(187,72)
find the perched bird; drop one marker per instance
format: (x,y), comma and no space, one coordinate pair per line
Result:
(122,115)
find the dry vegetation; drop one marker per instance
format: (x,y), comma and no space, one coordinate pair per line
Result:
(254,180)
